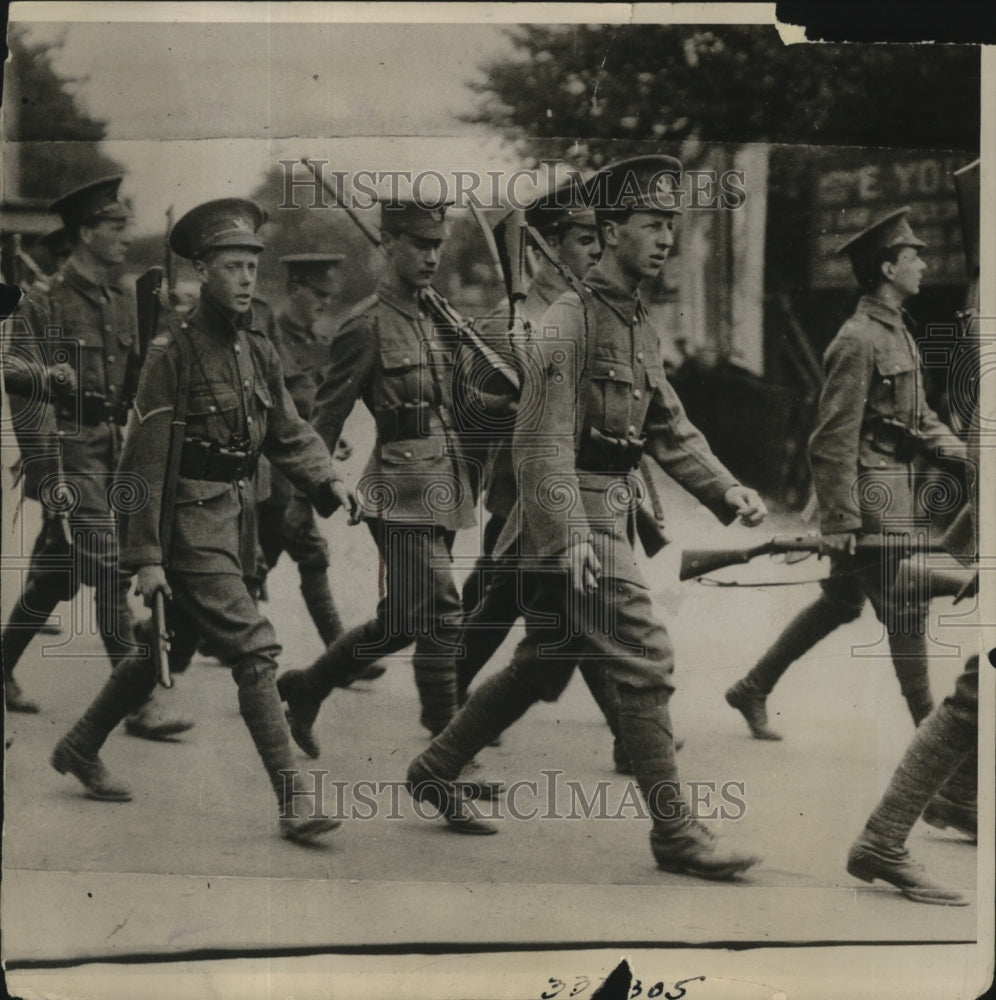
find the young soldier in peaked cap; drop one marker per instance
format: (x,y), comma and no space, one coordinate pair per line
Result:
(873,393)
(604,402)
(415,493)
(224,377)
(86,377)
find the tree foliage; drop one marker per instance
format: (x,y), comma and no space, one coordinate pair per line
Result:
(591,93)
(58,142)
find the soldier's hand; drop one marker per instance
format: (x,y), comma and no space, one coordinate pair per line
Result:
(150,579)
(748,505)
(348,499)
(584,566)
(343,450)
(61,379)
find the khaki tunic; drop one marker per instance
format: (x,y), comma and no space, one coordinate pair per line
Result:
(625,396)
(390,354)
(872,371)
(236,388)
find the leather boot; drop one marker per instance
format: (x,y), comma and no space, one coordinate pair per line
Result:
(318,599)
(809,627)
(90,771)
(679,842)
(305,690)
(153,722)
(869,859)
(490,710)
(747,700)
(446,798)
(14,699)
(77,753)
(259,705)
(434,661)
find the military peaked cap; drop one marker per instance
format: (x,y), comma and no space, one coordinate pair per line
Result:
(93,202)
(227,222)
(415,217)
(648,183)
(314,269)
(564,206)
(892,230)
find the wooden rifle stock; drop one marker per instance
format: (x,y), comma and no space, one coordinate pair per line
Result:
(698,562)
(160,640)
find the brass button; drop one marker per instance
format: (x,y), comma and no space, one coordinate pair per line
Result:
(242,484)
(107,327)
(111,388)
(406,361)
(631,430)
(245,382)
(637,394)
(248,420)
(408,454)
(111,358)
(639,355)
(238,348)
(612,373)
(214,409)
(887,381)
(82,343)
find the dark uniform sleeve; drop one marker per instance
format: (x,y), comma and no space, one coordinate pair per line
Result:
(352,356)
(291,443)
(682,451)
(146,453)
(543,443)
(834,446)
(26,380)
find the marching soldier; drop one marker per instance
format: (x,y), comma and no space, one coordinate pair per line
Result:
(219,380)
(491,598)
(286,520)
(87,375)
(603,400)
(415,493)
(871,407)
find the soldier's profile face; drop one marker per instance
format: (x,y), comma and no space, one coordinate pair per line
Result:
(230,276)
(578,248)
(108,240)
(907,272)
(415,259)
(643,242)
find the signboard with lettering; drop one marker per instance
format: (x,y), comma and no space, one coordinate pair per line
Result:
(864,185)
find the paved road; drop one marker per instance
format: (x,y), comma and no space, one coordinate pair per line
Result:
(194,863)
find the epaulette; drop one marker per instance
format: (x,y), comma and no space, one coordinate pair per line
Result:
(361,307)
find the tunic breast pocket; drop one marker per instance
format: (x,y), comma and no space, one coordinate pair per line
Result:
(213,412)
(612,395)
(893,391)
(404,380)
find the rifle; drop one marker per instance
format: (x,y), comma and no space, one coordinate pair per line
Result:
(153,302)
(441,310)
(698,562)
(160,640)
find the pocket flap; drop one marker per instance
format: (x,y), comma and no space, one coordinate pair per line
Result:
(411,451)
(614,371)
(192,490)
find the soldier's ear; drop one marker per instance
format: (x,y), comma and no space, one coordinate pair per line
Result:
(608,233)
(200,269)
